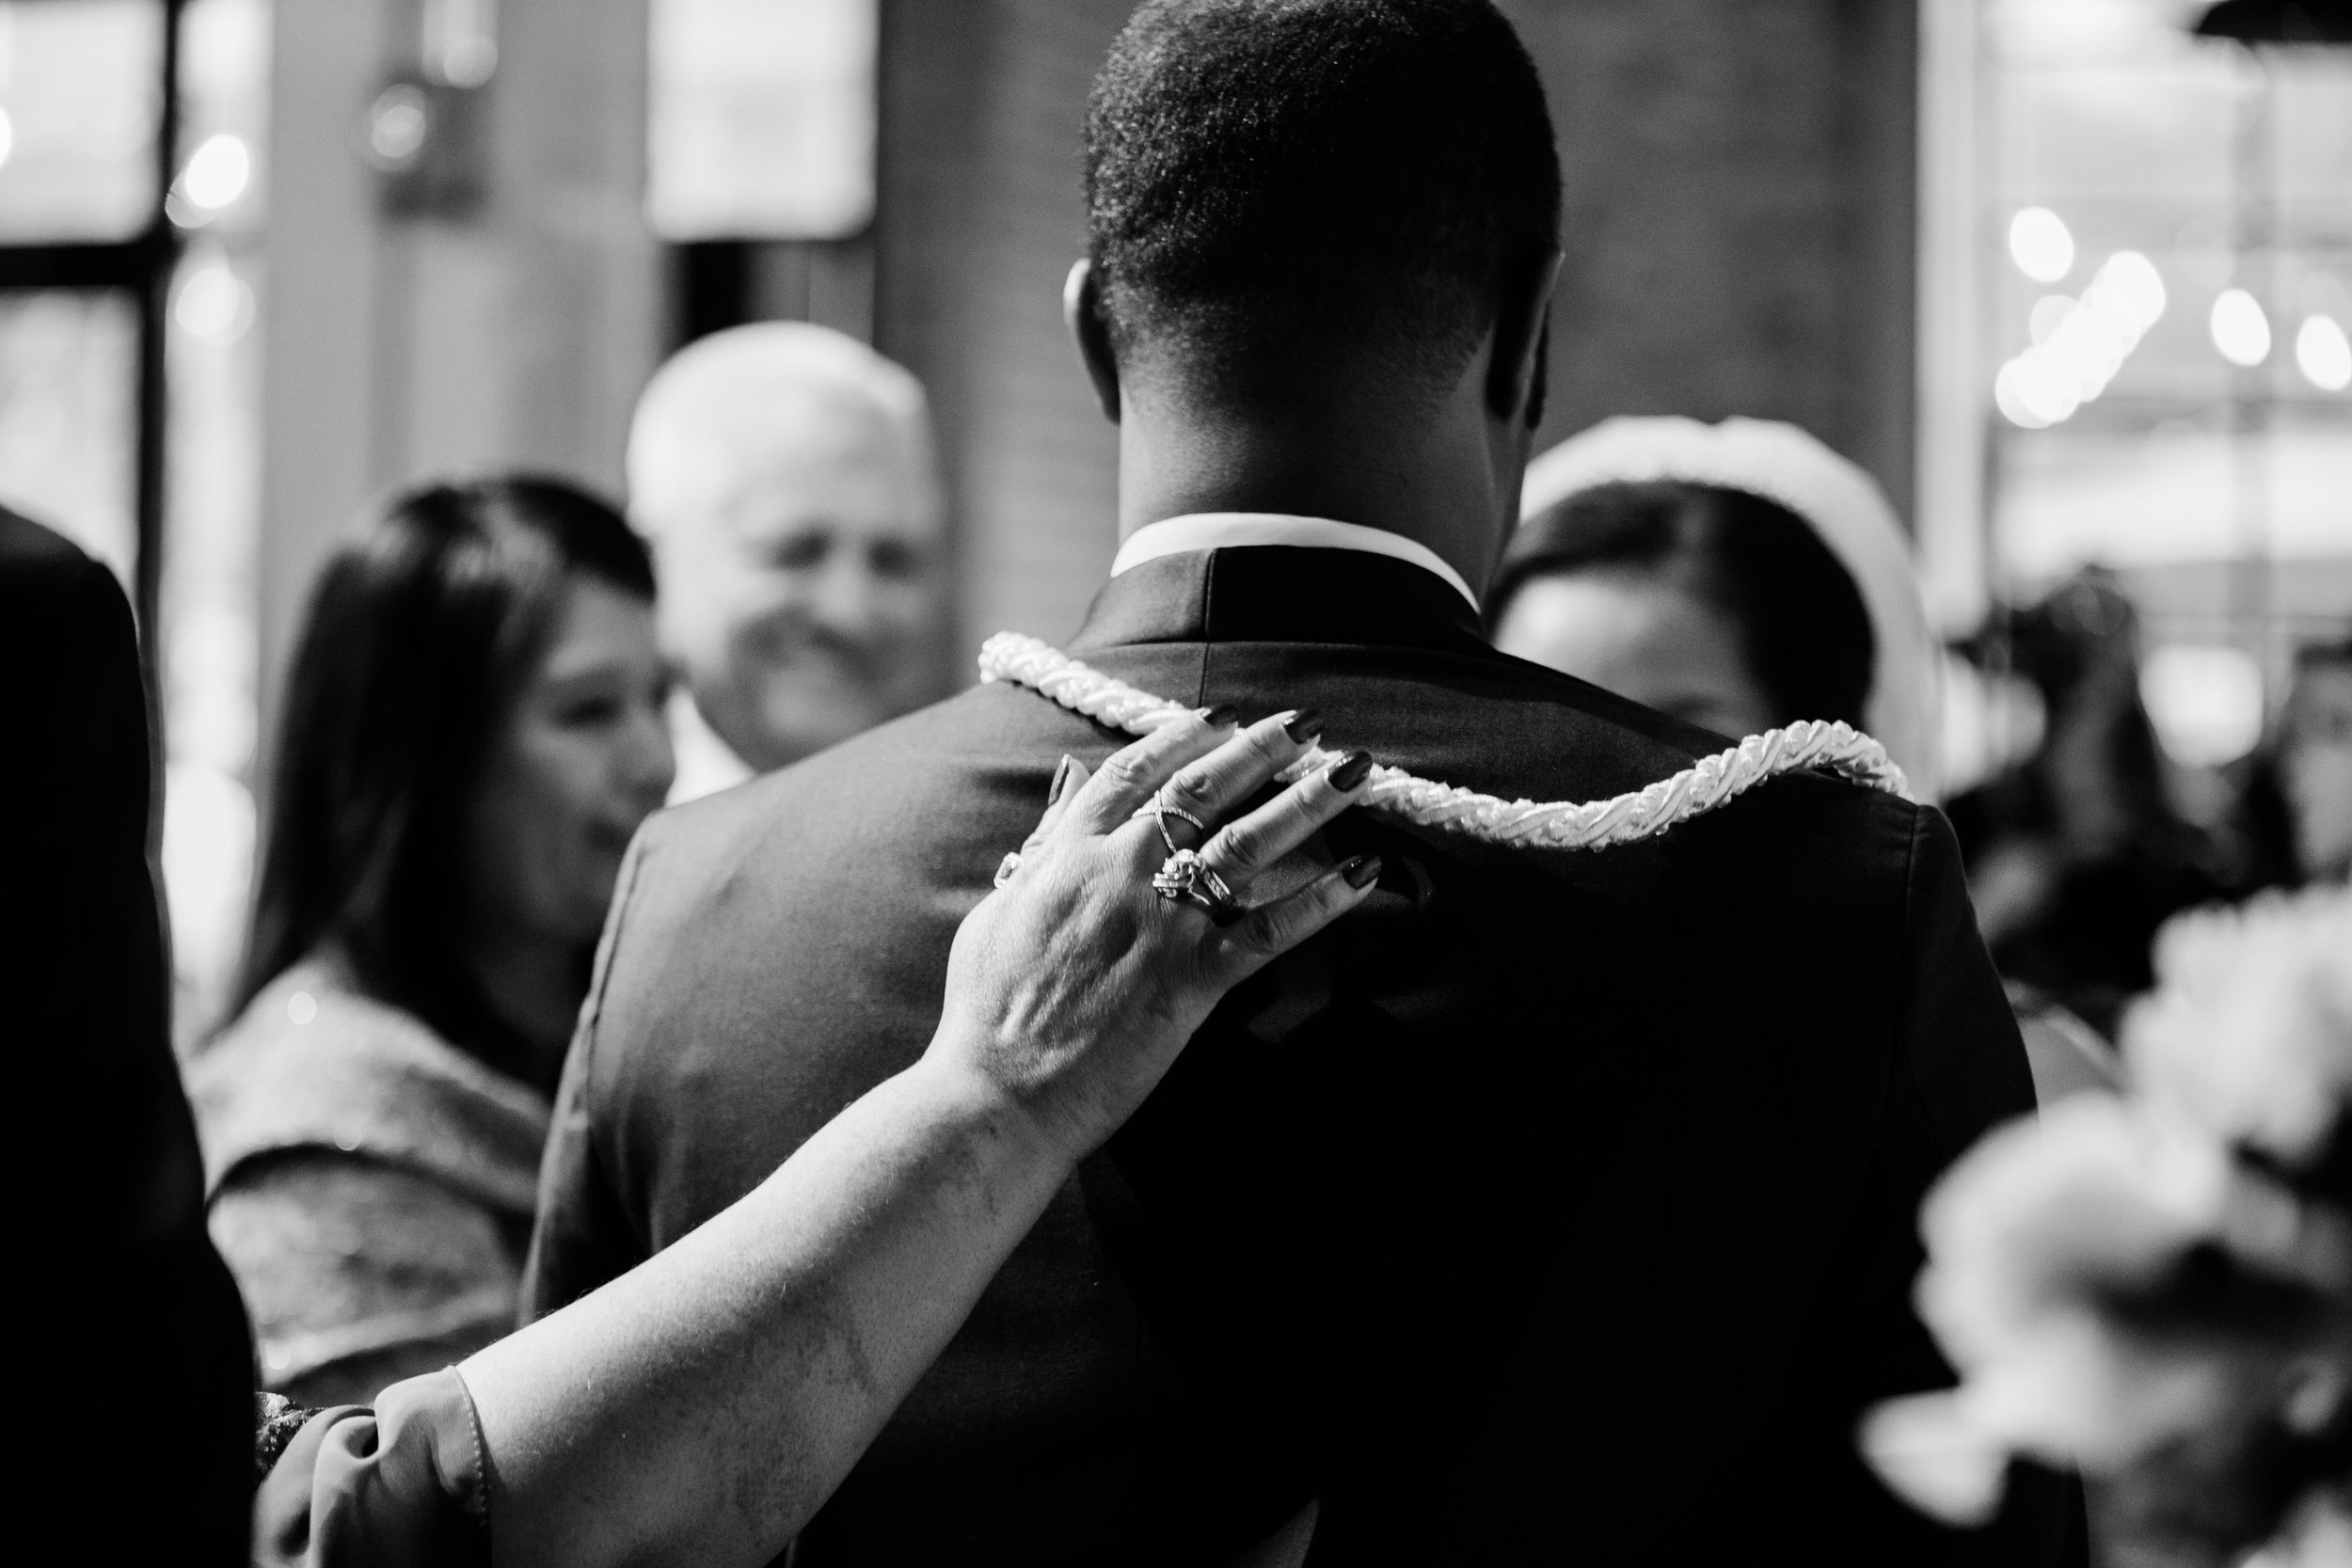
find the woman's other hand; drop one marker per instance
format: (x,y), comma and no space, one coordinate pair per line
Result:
(1073,987)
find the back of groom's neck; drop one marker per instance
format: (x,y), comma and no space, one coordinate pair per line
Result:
(1414,473)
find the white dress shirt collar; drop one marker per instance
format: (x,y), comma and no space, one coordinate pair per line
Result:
(1214,531)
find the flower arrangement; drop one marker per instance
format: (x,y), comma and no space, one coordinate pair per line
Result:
(2158,1289)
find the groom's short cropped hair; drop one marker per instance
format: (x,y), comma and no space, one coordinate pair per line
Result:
(1266,178)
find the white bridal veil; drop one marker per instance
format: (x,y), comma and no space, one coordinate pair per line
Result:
(1845,507)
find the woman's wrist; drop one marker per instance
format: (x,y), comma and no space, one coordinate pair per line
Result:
(1014,1131)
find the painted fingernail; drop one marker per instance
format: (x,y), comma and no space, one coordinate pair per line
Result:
(1218,716)
(1062,777)
(1362,871)
(1350,770)
(1302,724)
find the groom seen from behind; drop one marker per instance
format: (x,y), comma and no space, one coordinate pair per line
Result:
(1549,1207)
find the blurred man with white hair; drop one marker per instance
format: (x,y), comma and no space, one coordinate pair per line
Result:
(783,473)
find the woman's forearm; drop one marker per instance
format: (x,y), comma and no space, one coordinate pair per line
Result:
(699,1408)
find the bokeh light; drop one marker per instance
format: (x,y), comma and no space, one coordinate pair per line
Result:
(214,305)
(2048,312)
(2136,288)
(2240,331)
(2205,701)
(2322,353)
(218,172)
(397,124)
(2041,245)
(2012,402)
(2079,345)
(209,829)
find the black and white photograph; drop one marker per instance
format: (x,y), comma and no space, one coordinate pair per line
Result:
(1178,784)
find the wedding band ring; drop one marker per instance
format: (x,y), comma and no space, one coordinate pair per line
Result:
(1159,811)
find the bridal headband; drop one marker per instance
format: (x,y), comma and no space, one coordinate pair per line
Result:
(1640,814)
(1844,506)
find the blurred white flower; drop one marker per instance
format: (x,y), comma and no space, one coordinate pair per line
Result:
(2249,1033)
(1935,1455)
(2318,1536)
(2029,1237)
(2034,1239)
(2094,1273)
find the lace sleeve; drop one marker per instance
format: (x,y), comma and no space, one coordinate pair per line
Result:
(277,1421)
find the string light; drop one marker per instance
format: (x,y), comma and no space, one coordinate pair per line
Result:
(2079,345)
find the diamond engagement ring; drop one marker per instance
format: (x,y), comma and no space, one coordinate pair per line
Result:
(1184,878)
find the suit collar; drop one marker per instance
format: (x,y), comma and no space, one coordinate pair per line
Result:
(1216,530)
(1281,594)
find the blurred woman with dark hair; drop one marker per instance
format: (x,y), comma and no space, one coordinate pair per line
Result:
(2078,854)
(472,732)
(1740,575)
(1718,607)
(2315,750)
(2294,805)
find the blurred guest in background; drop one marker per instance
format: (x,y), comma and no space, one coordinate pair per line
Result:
(1739,576)
(2078,854)
(611,1428)
(2316,761)
(2314,756)
(121,1301)
(785,475)
(2291,816)
(472,732)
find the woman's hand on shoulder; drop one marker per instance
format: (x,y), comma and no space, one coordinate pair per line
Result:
(1074,985)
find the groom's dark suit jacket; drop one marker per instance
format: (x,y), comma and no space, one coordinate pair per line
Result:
(1550,1208)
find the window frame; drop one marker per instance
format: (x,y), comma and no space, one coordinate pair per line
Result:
(142,266)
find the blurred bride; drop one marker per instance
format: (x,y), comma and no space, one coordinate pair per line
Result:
(1740,575)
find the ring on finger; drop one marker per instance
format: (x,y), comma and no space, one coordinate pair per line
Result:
(1184,878)
(1159,810)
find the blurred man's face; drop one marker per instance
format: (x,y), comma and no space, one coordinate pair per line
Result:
(800,585)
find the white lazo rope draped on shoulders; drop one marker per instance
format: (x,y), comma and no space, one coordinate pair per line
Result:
(1711,781)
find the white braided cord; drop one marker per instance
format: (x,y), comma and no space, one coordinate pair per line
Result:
(1709,783)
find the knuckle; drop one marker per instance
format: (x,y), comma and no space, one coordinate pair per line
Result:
(1191,788)
(1227,948)
(1267,932)
(1238,849)
(1131,769)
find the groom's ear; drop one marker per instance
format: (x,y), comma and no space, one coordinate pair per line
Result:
(1517,372)
(1082,312)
